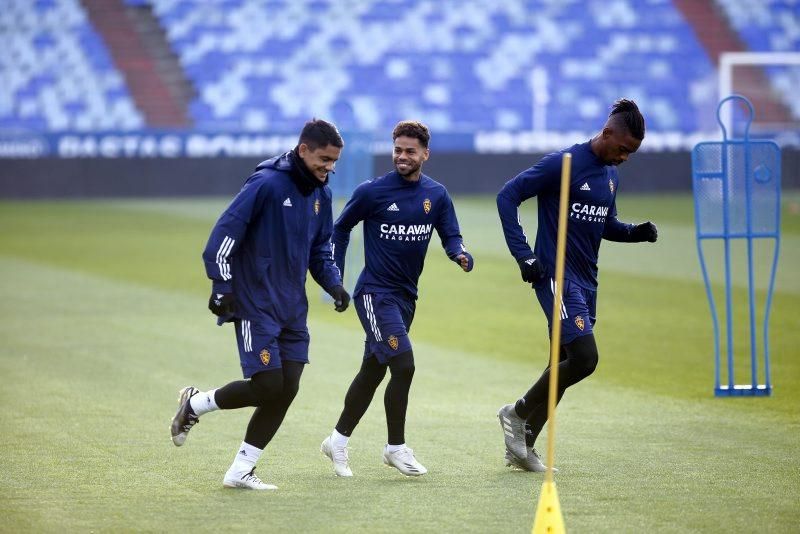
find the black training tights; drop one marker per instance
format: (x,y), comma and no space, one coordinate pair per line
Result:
(577,360)
(271,392)
(395,400)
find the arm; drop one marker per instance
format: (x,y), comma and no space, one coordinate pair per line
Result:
(355,210)
(224,241)
(321,264)
(616,230)
(542,176)
(227,235)
(450,234)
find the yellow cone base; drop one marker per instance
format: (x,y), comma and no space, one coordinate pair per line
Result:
(548,518)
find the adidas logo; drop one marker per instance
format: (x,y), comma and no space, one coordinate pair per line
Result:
(585,187)
(287,202)
(393,207)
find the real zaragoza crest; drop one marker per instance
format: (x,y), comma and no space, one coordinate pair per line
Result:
(316,207)
(393,342)
(426,205)
(264,356)
(611,185)
(579,322)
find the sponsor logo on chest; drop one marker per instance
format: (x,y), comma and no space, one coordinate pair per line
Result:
(406,232)
(588,212)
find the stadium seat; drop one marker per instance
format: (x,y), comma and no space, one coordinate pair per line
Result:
(466,69)
(57,73)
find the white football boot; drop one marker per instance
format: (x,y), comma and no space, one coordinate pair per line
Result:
(248,480)
(339,457)
(513,427)
(531,462)
(403,460)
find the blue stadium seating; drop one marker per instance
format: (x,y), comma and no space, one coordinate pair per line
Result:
(57,74)
(770,26)
(460,66)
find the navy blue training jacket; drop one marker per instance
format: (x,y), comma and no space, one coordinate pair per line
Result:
(267,239)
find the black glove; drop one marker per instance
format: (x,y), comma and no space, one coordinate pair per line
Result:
(531,269)
(223,305)
(646,231)
(341,299)
(470,263)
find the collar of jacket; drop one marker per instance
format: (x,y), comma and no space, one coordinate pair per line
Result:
(301,175)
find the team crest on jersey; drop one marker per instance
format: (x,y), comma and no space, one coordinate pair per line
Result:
(264,356)
(426,205)
(393,342)
(316,207)
(579,323)
(611,185)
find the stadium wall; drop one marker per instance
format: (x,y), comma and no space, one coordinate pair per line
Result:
(462,173)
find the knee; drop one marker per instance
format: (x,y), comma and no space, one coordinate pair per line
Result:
(266,386)
(588,364)
(585,361)
(402,367)
(583,356)
(290,389)
(371,373)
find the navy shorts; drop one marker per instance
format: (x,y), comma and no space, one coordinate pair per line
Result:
(386,318)
(264,344)
(578,308)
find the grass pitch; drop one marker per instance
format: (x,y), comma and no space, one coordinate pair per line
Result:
(104,319)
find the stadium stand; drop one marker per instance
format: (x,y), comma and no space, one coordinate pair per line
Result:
(464,66)
(770,26)
(57,74)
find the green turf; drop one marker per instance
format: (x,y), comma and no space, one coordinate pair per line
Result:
(104,320)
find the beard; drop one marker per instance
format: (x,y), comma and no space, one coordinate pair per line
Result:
(411,169)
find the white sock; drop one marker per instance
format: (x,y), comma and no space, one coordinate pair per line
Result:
(204,402)
(339,440)
(394,448)
(246,458)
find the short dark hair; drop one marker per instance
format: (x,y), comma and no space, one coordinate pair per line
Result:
(628,114)
(318,133)
(413,129)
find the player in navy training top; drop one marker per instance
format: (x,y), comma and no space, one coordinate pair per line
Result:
(276,230)
(400,211)
(592,217)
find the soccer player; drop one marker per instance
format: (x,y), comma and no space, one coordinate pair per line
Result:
(592,217)
(399,211)
(276,229)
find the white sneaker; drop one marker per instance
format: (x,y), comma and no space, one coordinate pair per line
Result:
(513,430)
(403,459)
(247,480)
(531,462)
(339,457)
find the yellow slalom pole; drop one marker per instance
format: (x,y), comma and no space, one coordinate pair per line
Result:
(548,512)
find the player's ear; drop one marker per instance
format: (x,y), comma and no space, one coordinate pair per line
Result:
(426,154)
(303,150)
(608,131)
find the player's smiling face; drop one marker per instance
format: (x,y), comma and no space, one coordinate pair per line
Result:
(320,161)
(408,157)
(617,145)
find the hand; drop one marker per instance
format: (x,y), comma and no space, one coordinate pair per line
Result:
(222,304)
(465,260)
(341,299)
(531,269)
(646,231)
